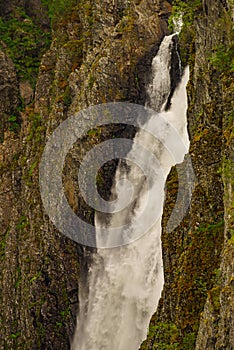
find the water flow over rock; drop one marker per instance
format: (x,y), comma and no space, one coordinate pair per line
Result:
(125,283)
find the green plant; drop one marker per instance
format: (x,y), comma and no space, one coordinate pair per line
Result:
(217,276)
(167,336)
(201,285)
(14,124)
(36,128)
(188,341)
(3,244)
(214,297)
(67,99)
(66,313)
(59,325)
(25,42)
(15,335)
(23,222)
(32,167)
(211,229)
(34,278)
(186,9)
(57,9)
(223,58)
(88,10)
(91,81)
(19,277)
(163,335)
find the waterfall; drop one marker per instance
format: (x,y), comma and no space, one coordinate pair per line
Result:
(125,283)
(159,89)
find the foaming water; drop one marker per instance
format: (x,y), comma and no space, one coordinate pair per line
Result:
(125,283)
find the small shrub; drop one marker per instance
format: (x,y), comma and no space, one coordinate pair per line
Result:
(14,124)
(223,58)
(25,42)
(58,9)
(186,9)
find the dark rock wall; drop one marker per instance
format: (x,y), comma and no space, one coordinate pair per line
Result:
(198,255)
(9,98)
(100,52)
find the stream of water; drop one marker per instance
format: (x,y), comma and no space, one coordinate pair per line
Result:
(125,283)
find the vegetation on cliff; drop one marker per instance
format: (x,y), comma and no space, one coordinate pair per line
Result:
(93,52)
(195,283)
(58,57)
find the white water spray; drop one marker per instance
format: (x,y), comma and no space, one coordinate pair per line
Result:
(125,283)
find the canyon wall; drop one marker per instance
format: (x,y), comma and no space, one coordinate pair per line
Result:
(197,303)
(59,58)
(94,52)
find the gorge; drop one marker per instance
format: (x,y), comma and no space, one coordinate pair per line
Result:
(58,58)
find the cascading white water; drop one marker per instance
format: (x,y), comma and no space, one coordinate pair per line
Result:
(125,283)
(159,89)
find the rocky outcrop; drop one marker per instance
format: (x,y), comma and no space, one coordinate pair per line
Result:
(216,329)
(198,255)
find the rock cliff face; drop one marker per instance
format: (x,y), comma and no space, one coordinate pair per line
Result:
(9,89)
(97,52)
(100,51)
(198,255)
(216,330)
